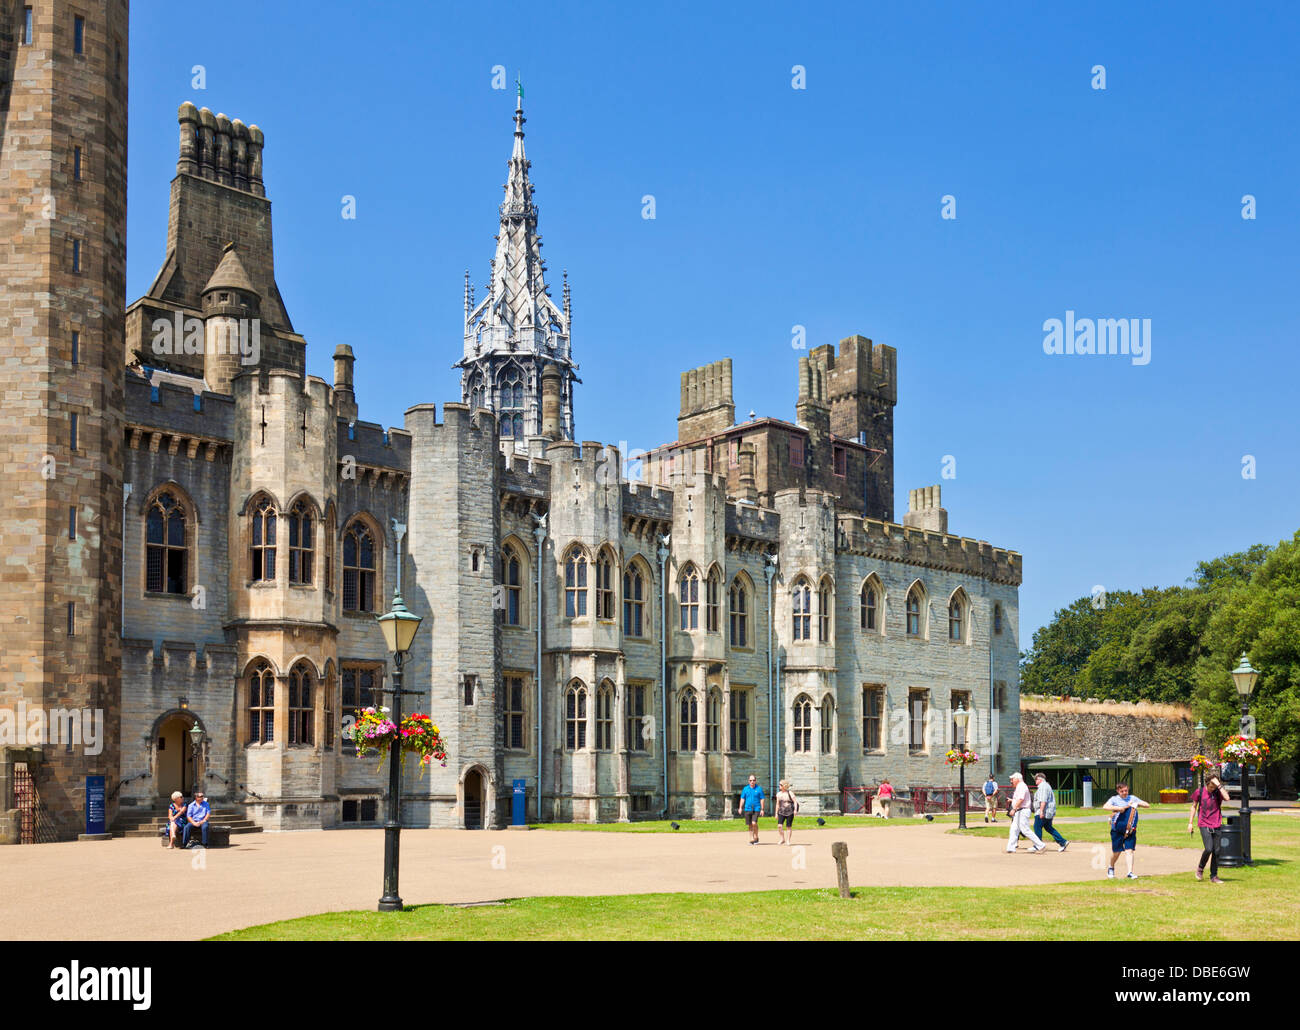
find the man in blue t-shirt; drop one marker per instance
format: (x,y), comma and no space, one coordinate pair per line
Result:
(196,817)
(751,806)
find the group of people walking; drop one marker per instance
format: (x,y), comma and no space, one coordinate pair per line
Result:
(753,805)
(1031,816)
(1041,805)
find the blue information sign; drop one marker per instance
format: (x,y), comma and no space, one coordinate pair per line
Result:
(519,816)
(95,805)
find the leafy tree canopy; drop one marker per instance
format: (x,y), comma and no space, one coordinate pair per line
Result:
(1179,644)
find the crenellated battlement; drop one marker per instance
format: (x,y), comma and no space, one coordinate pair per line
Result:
(891,542)
(173,406)
(751,522)
(803,498)
(369,444)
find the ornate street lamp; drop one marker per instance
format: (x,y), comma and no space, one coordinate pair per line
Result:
(960,718)
(399,627)
(196,739)
(1243,678)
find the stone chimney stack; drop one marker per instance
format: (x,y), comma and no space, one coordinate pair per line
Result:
(345,398)
(748,457)
(925,510)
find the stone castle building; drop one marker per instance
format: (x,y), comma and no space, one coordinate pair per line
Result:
(631,635)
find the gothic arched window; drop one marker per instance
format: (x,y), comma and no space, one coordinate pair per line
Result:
(575,717)
(302,711)
(166,556)
(575,584)
(689,599)
(689,727)
(510,391)
(634,621)
(803,709)
(263,541)
(801,598)
(261,704)
(301,542)
(739,606)
(358,568)
(915,603)
(512,581)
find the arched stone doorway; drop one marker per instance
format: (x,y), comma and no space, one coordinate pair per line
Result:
(475,790)
(175,765)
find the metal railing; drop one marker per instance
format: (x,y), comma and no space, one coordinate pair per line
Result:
(241,786)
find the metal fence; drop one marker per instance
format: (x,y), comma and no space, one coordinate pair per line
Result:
(33,823)
(923,800)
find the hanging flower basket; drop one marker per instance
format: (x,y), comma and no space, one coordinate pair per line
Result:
(1200,763)
(961,756)
(373,734)
(1244,750)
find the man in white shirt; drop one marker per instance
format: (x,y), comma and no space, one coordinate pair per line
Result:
(1021,808)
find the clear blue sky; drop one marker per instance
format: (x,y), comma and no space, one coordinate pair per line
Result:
(818,207)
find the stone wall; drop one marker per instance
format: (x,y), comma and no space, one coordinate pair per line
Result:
(1107,731)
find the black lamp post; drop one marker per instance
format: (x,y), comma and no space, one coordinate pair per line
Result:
(399,628)
(1199,729)
(196,738)
(960,718)
(1243,678)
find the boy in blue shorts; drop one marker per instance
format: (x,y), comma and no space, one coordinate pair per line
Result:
(1123,828)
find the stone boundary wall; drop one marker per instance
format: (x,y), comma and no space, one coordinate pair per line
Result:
(1107,731)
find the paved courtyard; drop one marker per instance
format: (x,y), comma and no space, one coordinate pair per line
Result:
(134,889)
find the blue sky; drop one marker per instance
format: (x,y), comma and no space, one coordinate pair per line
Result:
(818,207)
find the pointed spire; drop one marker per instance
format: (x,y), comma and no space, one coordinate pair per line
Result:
(568,316)
(467,294)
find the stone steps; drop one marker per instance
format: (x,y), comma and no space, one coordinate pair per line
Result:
(145,824)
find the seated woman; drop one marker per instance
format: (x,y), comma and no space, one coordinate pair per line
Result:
(175,819)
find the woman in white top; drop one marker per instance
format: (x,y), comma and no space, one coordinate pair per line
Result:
(786,807)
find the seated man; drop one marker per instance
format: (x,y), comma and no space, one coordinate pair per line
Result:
(196,817)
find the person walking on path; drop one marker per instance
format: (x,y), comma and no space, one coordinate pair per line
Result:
(884,795)
(1045,811)
(787,805)
(751,804)
(1207,814)
(990,803)
(1020,808)
(1123,828)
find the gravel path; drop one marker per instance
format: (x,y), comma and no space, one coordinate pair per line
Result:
(134,889)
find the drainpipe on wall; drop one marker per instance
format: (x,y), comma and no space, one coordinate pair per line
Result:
(126,496)
(539,534)
(662,555)
(769,570)
(991,691)
(399,531)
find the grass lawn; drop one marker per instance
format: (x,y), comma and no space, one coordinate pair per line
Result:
(1262,903)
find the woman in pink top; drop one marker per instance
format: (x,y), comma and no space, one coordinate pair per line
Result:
(1207,814)
(884,794)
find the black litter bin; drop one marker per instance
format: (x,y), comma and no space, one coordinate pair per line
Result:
(1230,854)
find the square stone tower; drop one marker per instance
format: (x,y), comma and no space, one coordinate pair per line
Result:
(63,120)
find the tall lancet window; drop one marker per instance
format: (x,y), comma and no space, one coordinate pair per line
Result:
(511,394)
(476,395)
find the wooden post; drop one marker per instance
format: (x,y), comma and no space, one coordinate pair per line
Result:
(840,852)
